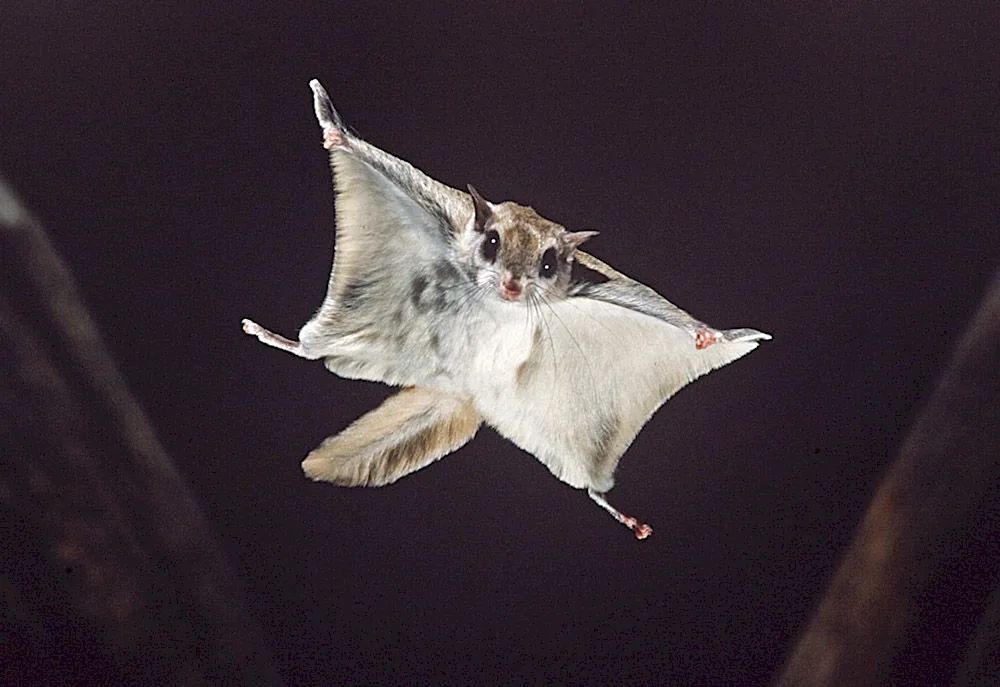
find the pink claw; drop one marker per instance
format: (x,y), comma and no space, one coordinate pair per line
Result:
(704,338)
(641,529)
(331,138)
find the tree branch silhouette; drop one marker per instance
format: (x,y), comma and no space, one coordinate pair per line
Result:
(919,572)
(109,571)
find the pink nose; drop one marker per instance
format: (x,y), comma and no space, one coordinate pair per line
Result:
(511,289)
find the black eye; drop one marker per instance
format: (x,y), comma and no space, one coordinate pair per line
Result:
(549,263)
(491,246)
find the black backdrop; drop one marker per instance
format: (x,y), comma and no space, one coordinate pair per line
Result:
(826,174)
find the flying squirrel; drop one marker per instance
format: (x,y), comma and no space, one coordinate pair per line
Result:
(485,312)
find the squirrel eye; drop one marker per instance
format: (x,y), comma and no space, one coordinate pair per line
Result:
(491,246)
(549,263)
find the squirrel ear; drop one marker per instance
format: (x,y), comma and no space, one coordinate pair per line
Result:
(483,209)
(573,239)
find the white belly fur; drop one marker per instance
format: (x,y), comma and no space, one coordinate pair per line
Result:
(596,375)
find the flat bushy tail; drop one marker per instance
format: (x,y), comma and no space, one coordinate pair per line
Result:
(407,432)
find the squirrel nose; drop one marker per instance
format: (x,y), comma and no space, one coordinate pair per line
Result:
(511,288)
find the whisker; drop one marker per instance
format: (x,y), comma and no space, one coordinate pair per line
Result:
(548,300)
(537,302)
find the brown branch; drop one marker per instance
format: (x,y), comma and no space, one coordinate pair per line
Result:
(108,561)
(918,535)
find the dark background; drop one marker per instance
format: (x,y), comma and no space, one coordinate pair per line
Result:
(823,173)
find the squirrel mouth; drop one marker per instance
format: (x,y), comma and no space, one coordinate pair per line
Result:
(510,290)
(510,295)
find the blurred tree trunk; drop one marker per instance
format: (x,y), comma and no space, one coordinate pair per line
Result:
(109,573)
(903,606)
